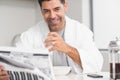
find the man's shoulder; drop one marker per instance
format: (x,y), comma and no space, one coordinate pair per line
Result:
(74,22)
(71,21)
(78,26)
(39,29)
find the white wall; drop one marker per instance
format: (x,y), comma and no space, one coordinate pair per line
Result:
(106,21)
(75,9)
(17,16)
(85,12)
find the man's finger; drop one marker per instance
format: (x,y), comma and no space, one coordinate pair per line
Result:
(3,73)
(51,39)
(54,34)
(1,67)
(4,77)
(52,49)
(48,44)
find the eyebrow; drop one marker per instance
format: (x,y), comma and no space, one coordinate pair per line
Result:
(53,8)
(45,9)
(56,7)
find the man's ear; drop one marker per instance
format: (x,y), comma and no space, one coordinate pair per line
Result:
(66,6)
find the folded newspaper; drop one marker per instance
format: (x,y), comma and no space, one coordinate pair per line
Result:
(33,64)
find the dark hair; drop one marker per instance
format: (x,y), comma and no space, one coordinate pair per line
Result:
(40,1)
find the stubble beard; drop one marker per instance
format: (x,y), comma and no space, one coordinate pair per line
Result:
(56,27)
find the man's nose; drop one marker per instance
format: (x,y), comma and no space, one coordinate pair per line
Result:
(52,14)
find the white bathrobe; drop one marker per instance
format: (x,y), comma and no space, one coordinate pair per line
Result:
(77,35)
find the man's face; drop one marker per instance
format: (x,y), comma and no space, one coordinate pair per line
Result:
(54,14)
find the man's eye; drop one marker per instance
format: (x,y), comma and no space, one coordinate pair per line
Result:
(45,11)
(57,9)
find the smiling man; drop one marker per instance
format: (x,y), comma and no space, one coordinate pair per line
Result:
(70,42)
(54,14)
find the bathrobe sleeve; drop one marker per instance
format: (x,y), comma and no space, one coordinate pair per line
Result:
(80,37)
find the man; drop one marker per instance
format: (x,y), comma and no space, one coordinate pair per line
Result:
(70,41)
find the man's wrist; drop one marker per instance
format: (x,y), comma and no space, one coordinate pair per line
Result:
(73,53)
(70,50)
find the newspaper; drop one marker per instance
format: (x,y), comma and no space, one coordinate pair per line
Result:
(37,62)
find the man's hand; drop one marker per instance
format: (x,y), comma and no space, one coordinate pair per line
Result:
(3,74)
(59,44)
(56,42)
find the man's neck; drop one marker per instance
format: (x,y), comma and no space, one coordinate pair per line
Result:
(59,28)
